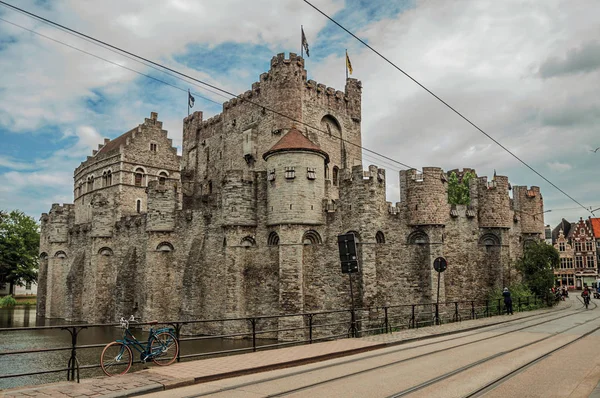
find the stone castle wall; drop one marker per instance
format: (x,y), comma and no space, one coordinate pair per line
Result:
(224,239)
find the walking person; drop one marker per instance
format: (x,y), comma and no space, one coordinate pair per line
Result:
(507,301)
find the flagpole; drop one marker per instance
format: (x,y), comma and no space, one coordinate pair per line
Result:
(346,64)
(301,42)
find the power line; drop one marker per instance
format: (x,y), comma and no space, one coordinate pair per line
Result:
(443,102)
(105,60)
(107,45)
(40,19)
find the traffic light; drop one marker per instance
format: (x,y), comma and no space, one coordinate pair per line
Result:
(348,257)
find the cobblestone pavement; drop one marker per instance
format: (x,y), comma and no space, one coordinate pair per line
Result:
(191,372)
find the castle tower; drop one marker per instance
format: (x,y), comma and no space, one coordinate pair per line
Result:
(424,196)
(529,208)
(296,181)
(493,203)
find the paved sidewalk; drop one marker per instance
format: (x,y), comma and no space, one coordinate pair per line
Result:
(199,371)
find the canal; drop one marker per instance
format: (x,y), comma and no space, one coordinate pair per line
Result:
(25,316)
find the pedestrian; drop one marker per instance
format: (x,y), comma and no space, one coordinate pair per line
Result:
(507,301)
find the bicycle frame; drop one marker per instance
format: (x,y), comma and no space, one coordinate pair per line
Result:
(131,341)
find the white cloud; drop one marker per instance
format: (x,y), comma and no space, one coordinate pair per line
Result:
(559,167)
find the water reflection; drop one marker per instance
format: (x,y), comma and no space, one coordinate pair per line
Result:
(25,316)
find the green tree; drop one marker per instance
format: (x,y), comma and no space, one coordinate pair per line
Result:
(19,246)
(458,190)
(537,267)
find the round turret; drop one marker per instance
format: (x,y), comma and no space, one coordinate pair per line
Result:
(425,195)
(295,180)
(494,203)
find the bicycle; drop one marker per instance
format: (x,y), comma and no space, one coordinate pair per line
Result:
(161,348)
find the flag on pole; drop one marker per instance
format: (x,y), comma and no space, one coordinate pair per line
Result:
(191,100)
(348,64)
(304,42)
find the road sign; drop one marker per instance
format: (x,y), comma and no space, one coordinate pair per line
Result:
(440,264)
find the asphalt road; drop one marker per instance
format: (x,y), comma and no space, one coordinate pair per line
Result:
(550,355)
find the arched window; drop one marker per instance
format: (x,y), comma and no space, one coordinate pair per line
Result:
(60,254)
(138,205)
(90,183)
(140,177)
(489,239)
(379,237)
(331,125)
(165,247)
(334,177)
(162,177)
(248,241)
(108,178)
(43,256)
(273,239)
(105,251)
(417,238)
(311,238)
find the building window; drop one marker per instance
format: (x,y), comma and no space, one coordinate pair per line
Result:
(210,187)
(311,173)
(28,286)
(577,246)
(578,261)
(569,263)
(153,147)
(561,246)
(108,178)
(273,239)
(138,205)
(271,175)
(335,175)
(290,173)
(165,247)
(90,183)
(590,261)
(379,237)
(589,246)
(162,177)
(140,177)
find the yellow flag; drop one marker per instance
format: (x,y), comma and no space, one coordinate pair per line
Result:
(348,64)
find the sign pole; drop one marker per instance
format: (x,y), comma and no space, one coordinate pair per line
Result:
(437,303)
(352,331)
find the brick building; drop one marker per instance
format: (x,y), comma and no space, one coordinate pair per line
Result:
(246,221)
(576,245)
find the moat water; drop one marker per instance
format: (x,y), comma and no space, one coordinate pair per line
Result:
(25,316)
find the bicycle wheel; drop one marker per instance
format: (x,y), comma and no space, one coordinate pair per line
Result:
(116,359)
(164,348)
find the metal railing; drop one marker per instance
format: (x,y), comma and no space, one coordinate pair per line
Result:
(273,331)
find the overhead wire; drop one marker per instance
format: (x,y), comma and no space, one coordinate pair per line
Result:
(445,103)
(105,60)
(104,44)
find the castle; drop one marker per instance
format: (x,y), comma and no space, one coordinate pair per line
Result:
(245,221)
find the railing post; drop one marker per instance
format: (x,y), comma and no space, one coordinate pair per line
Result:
(386,321)
(253,321)
(73,364)
(487,308)
(499,307)
(528,302)
(412,323)
(456,314)
(437,314)
(310,325)
(472,309)
(178,326)
(519,304)
(535,300)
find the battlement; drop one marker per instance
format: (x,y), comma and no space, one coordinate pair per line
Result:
(280,59)
(499,183)
(59,209)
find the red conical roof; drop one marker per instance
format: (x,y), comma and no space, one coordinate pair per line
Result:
(294,140)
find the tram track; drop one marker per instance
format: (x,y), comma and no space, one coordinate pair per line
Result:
(379,355)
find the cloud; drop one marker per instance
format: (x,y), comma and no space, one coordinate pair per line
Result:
(559,167)
(577,60)
(13,164)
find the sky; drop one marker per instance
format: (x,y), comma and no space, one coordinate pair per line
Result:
(526,72)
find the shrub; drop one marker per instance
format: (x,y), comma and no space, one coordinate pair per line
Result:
(7,301)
